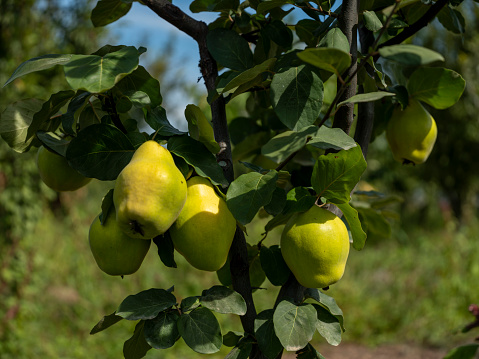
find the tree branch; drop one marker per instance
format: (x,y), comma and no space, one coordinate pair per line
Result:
(198,30)
(418,25)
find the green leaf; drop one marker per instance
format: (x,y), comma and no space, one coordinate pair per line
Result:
(14,123)
(326,302)
(335,175)
(97,74)
(106,206)
(256,272)
(331,138)
(229,49)
(166,249)
(54,142)
(328,325)
(294,324)
(230,339)
(305,30)
(410,55)
(286,143)
(366,97)
(463,352)
(279,33)
(100,151)
(198,156)
(439,87)
(200,129)
(352,217)
(452,20)
(223,300)
(298,199)
(190,303)
(373,223)
(38,64)
(268,5)
(248,193)
(201,331)
(213,5)
(146,304)
(162,332)
(268,342)
(106,322)
(326,58)
(274,265)
(309,353)
(297,96)
(277,203)
(77,104)
(335,38)
(242,350)
(141,80)
(41,119)
(136,347)
(249,75)
(108,11)
(158,121)
(371,21)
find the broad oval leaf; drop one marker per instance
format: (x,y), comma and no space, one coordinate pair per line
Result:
(14,123)
(327,58)
(352,217)
(146,304)
(335,38)
(371,21)
(100,151)
(200,129)
(141,80)
(97,74)
(439,87)
(242,350)
(41,119)
(286,143)
(248,193)
(223,300)
(294,324)
(410,55)
(268,5)
(198,156)
(268,342)
(229,49)
(38,64)
(108,11)
(331,138)
(335,174)
(274,265)
(158,121)
(201,331)
(297,96)
(328,325)
(326,301)
(136,347)
(162,332)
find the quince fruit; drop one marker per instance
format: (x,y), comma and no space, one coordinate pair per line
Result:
(204,230)
(149,192)
(315,246)
(411,133)
(115,252)
(56,173)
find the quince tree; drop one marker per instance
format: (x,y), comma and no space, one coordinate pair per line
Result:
(307,83)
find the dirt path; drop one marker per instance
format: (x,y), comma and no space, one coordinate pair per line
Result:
(397,351)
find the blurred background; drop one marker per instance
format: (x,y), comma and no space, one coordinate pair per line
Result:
(408,289)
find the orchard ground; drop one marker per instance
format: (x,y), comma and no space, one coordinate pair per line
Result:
(401,298)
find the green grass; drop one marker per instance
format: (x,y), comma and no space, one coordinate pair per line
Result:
(415,291)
